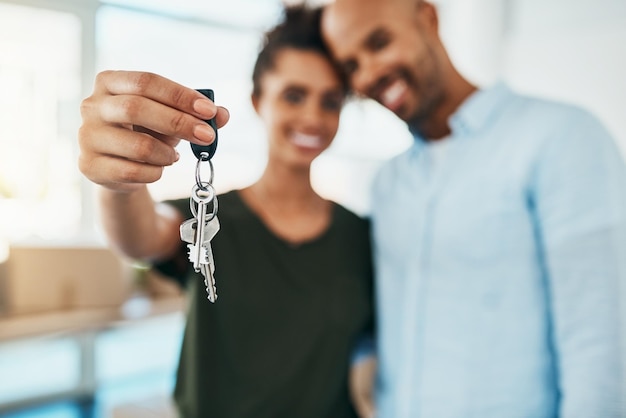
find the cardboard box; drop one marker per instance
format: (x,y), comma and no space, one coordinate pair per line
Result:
(44,278)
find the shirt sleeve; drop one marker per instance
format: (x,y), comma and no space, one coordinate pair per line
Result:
(177,268)
(579,199)
(364,348)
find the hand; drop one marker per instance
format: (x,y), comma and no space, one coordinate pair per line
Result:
(361,384)
(132,123)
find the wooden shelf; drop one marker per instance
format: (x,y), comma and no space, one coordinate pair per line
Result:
(137,308)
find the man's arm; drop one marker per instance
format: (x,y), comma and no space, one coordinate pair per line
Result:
(362,379)
(579,196)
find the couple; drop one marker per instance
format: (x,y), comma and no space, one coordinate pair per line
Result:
(497,238)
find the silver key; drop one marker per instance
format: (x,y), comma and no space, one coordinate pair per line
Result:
(208,269)
(198,233)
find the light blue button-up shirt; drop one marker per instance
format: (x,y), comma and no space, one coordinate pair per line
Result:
(498,275)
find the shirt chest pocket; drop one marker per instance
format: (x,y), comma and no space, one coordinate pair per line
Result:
(487,226)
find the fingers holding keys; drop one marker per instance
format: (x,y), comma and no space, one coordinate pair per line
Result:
(121,175)
(133,121)
(121,159)
(156,103)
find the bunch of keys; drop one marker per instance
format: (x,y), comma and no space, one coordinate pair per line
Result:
(198,231)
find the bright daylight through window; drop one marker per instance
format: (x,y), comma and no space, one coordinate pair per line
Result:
(40,84)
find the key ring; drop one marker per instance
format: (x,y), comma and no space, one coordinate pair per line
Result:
(203,193)
(204,156)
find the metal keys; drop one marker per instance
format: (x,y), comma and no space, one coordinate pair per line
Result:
(198,231)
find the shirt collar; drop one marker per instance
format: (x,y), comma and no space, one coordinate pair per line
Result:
(474,112)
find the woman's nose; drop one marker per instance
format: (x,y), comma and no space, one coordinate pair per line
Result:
(313,112)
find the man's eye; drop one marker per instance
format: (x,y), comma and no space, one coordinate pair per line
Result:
(379,42)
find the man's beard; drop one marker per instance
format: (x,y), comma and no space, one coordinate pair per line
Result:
(429,90)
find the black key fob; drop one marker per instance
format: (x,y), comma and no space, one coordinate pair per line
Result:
(209,149)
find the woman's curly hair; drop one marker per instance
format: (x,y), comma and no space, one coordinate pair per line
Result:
(299,29)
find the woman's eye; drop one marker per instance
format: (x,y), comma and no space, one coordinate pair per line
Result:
(332,103)
(294,97)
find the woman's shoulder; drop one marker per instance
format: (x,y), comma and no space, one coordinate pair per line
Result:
(348,216)
(232,207)
(229,198)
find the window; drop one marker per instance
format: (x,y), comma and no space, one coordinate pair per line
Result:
(40,84)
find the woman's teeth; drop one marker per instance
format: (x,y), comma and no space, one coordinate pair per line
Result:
(308,141)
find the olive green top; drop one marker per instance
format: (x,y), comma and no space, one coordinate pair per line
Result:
(278,340)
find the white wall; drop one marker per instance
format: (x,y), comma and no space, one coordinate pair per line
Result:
(572,50)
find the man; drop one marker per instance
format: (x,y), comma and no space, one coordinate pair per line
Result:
(498,234)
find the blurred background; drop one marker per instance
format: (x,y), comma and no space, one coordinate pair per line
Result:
(85,334)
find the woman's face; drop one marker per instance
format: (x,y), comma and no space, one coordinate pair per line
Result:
(299,101)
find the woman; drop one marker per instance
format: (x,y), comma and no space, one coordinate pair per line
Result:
(293,270)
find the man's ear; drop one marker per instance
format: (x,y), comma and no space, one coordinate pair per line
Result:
(428,15)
